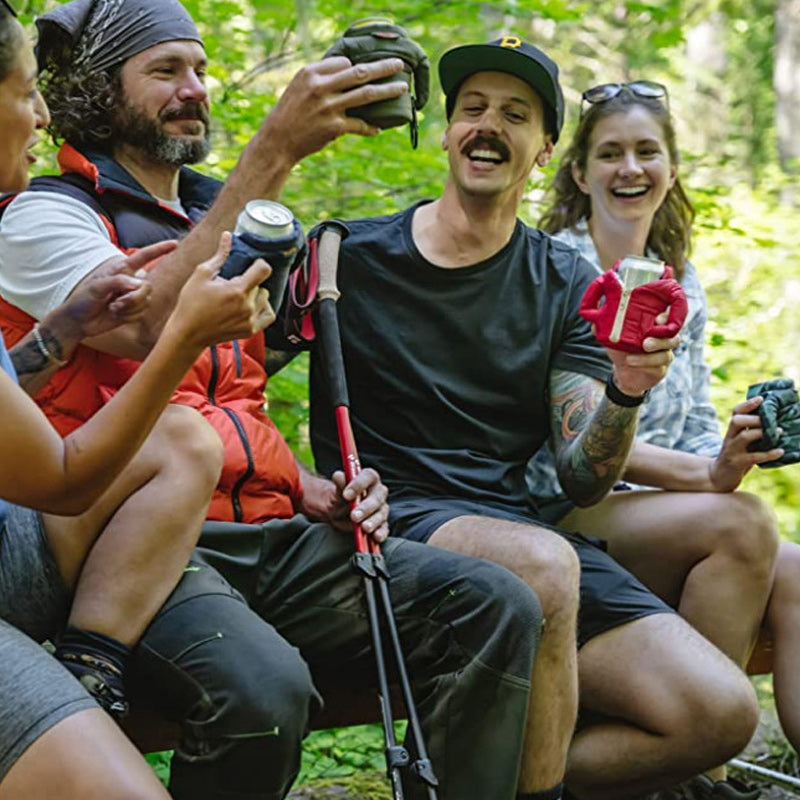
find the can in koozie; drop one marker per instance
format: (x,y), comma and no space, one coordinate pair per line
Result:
(636,271)
(266,229)
(265,218)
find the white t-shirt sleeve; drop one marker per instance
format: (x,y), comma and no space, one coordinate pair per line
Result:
(48,243)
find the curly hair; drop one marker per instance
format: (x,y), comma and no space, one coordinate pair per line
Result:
(81,100)
(11,38)
(670,231)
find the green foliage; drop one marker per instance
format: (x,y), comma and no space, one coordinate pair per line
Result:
(746,246)
(160,764)
(288,406)
(343,752)
(716,57)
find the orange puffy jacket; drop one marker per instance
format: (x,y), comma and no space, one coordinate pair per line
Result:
(260,478)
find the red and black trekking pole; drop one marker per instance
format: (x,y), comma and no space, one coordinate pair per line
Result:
(367,560)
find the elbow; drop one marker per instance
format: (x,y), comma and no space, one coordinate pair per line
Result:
(587,492)
(583,498)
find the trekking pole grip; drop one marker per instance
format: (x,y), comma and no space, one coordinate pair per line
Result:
(329,242)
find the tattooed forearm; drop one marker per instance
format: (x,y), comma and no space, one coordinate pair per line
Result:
(31,361)
(597,458)
(592,437)
(27,358)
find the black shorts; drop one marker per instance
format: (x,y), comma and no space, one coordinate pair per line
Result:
(610,595)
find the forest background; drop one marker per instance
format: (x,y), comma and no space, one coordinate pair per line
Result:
(733,72)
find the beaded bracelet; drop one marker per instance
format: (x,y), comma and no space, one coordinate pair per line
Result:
(44,350)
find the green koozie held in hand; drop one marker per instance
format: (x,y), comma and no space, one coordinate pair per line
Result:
(376,38)
(780,420)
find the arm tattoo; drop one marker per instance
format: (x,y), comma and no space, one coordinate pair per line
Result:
(592,436)
(32,366)
(28,359)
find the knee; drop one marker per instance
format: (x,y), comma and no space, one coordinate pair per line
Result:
(247,740)
(729,710)
(258,700)
(551,568)
(210,662)
(190,444)
(747,530)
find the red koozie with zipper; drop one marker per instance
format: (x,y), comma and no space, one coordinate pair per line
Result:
(624,317)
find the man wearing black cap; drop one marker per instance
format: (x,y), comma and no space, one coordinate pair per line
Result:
(125,80)
(475,355)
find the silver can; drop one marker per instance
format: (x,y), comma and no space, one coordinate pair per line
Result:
(265,218)
(636,271)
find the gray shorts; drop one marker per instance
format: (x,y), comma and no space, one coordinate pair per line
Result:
(36,692)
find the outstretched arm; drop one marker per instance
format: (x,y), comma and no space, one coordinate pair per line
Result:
(679,471)
(101,303)
(311,113)
(67,476)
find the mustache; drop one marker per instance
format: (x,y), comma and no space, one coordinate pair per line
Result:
(486,143)
(188,110)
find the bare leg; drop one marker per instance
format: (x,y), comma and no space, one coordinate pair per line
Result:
(673,706)
(548,564)
(127,553)
(83,757)
(783,621)
(711,556)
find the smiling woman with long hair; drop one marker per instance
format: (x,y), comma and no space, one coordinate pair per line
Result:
(679,523)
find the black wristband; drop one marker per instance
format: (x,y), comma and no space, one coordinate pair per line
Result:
(619,398)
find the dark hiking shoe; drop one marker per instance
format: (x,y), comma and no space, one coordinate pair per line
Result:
(101,679)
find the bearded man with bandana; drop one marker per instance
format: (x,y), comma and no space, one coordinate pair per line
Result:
(263,610)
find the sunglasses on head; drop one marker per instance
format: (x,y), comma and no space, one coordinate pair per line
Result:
(607,91)
(8,7)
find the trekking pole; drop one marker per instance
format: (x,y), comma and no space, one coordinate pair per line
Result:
(367,559)
(763,772)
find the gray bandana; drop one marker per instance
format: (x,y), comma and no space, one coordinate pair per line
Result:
(108,32)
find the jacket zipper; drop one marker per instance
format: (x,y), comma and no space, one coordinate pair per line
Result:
(212,388)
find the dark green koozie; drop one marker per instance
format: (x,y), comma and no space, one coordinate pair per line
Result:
(376,38)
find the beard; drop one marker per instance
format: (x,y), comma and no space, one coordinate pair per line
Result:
(132,127)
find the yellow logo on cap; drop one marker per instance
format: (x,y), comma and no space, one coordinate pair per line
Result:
(511,41)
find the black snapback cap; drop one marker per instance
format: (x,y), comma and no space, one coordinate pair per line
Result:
(508,54)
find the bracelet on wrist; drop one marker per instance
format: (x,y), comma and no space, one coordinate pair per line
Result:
(619,398)
(44,350)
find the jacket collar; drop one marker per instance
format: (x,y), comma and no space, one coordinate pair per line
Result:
(197,192)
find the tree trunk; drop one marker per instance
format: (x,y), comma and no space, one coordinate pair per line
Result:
(787,88)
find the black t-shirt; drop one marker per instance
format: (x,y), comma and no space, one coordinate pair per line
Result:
(448,369)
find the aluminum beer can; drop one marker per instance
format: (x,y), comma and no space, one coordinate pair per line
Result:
(265,218)
(636,271)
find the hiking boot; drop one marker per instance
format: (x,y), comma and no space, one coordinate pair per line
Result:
(101,679)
